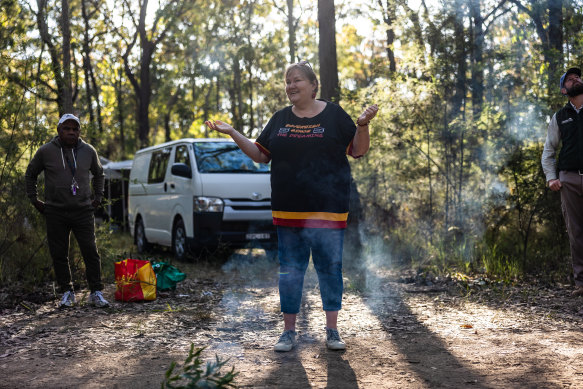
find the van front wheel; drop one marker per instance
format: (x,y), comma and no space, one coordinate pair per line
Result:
(179,245)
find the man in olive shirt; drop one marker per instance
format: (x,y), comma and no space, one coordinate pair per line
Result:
(67,162)
(566,129)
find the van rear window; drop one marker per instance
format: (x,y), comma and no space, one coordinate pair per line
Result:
(225,157)
(158,166)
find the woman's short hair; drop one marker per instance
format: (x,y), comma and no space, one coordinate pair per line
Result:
(305,68)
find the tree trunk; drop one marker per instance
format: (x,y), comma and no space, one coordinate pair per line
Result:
(235,95)
(389,10)
(250,85)
(477,82)
(169,105)
(92,87)
(238,93)
(86,68)
(56,65)
(327,51)
(148,43)
(147,49)
(430,179)
(66,31)
(460,60)
(548,21)
(555,50)
(120,113)
(291,31)
(144,95)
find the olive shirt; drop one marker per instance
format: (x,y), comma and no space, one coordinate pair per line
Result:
(60,166)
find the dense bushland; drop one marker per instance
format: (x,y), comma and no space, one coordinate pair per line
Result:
(466,88)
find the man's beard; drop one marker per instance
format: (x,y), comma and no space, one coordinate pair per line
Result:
(575,90)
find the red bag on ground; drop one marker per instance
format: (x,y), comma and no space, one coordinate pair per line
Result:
(135,280)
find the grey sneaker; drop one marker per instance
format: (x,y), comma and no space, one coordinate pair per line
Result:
(68,299)
(96,299)
(286,341)
(333,340)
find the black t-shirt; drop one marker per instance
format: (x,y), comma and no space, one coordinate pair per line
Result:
(310,174)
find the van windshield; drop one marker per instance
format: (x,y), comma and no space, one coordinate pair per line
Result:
(225,157)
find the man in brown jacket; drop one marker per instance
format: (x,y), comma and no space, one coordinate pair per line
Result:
(67,162)
(565,131)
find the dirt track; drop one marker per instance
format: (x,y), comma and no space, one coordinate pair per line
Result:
(400,332)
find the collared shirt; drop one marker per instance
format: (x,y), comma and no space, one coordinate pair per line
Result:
(574,107)
(548,159)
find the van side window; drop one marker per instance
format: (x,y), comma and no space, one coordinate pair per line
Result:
(158,166)
(182,155)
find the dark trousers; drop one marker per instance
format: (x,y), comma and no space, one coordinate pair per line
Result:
(81,222)
(572,205)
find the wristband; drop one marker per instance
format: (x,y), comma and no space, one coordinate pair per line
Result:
(361,124)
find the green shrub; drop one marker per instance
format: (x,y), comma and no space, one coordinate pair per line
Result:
(194,376)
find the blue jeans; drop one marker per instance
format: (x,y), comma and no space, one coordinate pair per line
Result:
(294,249)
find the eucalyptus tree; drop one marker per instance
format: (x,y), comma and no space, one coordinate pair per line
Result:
(59,85)
(389,14)
(138,66)
(547,17)
(292,26)
(329,87)
(89,11)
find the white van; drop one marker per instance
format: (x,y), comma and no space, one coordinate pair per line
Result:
(190,193)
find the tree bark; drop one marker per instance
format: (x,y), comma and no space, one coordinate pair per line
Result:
(477,82)
(120,113)
(327,51)
(56,65)
(148,44)
(66,31)
(145,93)
(169,105)
(460,60)
(291,31)
(389,10)
(87,66)
(92,90)
(547,17)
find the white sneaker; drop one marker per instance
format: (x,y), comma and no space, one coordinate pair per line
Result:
(333,340)
(68,299)
(96,299)
(286,341)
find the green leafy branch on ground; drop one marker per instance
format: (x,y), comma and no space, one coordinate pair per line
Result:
(193,375)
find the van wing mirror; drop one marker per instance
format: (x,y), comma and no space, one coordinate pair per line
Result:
(181,170)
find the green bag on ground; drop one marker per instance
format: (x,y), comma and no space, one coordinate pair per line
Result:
(167,276)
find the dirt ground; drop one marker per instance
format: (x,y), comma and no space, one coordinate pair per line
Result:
(402,331)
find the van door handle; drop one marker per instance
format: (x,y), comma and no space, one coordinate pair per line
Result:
(172,186)
(165,187)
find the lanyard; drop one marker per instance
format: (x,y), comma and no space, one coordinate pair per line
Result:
(73,167)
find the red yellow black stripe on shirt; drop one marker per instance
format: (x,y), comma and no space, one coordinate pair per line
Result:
(263,150)
(310,219)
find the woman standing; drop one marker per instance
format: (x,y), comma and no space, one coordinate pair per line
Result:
(307,143)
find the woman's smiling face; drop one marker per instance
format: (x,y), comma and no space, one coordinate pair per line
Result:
(298,88)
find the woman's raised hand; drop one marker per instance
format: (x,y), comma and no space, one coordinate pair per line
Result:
(220,126)
(367,115)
